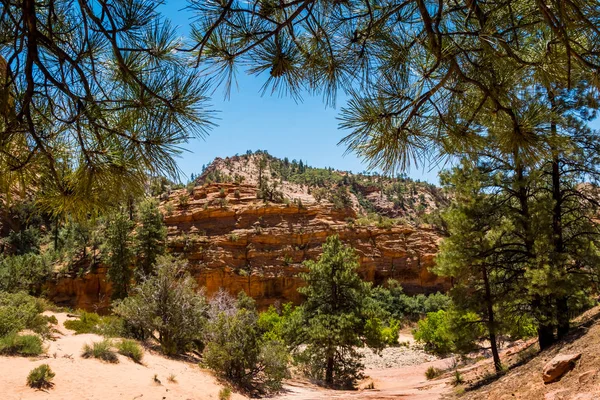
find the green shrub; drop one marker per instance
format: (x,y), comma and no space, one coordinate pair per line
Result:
(24,273)
(235,348)
(24,345)
(390,332)
(432,373)
(435,302)
(457,379)
(51,319)
(225,393)
(130,348)
(41,377)
(87,323)
(109,326)
(100,350)
(20,311)
(166,304)
(112,326)
(435,332)
(402,306)
(25,241)
(275,325)
(445,332)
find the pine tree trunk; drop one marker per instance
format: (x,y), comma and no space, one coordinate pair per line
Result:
(562,307)
(329,371)
(491,322)
(545,329)
(56,235)
(545,335)
(564,323)
(539,303)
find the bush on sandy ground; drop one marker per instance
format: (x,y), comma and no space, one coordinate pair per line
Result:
(88,322)
(24,345)
(19,311)
(166,304)
(130,348)
(101,350)
(236,348)
(41,377)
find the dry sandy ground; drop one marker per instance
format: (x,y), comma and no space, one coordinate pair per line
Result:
(406,383)
(78,378)
(399,373)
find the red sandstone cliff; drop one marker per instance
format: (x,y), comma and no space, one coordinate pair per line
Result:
(236,241)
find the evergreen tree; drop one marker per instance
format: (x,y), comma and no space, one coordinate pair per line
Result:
(118,254)
(150,238)
(478,254)
(336,315)
(81,86)
(413,61)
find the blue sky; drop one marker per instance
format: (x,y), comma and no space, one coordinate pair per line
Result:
(250,121)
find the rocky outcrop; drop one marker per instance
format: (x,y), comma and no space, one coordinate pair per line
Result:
(237,242)
(558,366)
(90,291)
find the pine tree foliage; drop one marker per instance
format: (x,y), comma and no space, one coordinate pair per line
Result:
(409,66)
(150,236)
(336,315)
(118,254)
(486,267)
(93,96)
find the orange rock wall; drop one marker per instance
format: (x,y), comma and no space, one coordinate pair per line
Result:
(235,242)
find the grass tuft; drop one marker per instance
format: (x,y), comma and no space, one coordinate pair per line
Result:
(432,373)
(41,377)
(225,393)
(129,348)
(457,379)
(24,345)
(100,350)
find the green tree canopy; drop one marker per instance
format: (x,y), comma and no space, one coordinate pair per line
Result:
(409,66)
(150,236)
(93,97)
(337,315)
(118,254)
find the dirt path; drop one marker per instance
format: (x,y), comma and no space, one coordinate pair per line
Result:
(393,383)
(399,373)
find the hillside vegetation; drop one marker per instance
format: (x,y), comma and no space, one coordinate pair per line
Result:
(371,195)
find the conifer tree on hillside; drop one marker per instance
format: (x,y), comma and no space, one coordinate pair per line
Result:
(486,267)
(150,238)
(118,254)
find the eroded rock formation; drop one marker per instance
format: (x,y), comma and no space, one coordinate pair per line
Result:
(236,241)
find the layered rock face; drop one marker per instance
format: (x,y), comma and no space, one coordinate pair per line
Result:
(236,242)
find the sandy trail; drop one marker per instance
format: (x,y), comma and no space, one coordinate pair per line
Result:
(393,383)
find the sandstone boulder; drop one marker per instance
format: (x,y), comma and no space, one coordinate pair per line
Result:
(558,366)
